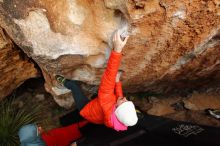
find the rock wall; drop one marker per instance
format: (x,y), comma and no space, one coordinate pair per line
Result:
(173,45)
(15,67)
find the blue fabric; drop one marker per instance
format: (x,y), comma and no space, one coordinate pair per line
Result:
(28,136)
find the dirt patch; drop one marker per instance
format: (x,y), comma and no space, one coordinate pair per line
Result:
(191,107)
(32,92)
(173,106)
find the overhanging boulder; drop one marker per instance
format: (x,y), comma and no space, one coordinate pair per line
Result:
(173,45)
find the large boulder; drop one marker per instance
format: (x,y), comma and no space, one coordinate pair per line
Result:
(15,66)
(173,45)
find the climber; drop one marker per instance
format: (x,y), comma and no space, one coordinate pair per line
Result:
(33,135)
(110,107)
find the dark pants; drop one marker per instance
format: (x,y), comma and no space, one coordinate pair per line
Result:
(80,99)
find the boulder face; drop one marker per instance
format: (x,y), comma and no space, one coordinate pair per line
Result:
(173,45)
(15,67)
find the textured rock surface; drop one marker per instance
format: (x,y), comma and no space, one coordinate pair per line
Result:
(167,105)
(173,45)
(202,101)
(15,68)
(163,107)
(181,108)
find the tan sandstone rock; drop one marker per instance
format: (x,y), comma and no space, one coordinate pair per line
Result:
(173,45)
(163,107)
(15,67)
(202,101)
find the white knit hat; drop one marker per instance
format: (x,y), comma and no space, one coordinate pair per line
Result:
(126,113)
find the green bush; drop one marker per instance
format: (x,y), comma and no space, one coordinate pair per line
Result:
(12,118)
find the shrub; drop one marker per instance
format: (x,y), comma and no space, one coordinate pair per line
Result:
(12,118)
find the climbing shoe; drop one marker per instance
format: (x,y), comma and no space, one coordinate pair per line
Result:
(60,79)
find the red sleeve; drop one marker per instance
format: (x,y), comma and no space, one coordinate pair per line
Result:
(107,84)
(62,136)
(106,95)
(118,89)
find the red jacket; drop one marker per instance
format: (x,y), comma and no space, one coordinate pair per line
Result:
(99,110)
(63,136)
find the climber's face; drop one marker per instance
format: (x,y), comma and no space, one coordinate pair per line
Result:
(120,100)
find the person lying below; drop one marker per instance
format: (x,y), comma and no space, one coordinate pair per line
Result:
(33,135)
(110,107)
